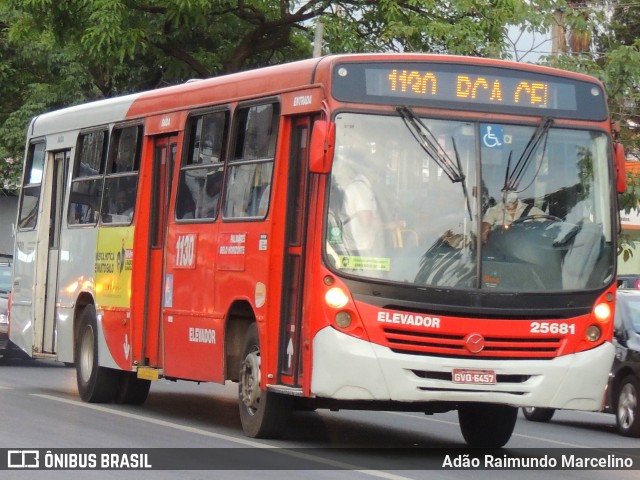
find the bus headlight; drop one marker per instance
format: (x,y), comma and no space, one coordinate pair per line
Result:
(594,333)
(336,298)
(602,312)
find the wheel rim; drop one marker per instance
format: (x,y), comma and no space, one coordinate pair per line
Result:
(86,355)
(529,410)
(250,381)
(627,403)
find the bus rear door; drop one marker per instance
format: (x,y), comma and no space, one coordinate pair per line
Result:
(45,341)
(164,154)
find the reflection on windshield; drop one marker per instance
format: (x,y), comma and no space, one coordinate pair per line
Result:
(425,138)
(539,199)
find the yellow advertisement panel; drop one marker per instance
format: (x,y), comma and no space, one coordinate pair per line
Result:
(114,257)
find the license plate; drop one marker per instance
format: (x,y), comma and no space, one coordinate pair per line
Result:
(478,377)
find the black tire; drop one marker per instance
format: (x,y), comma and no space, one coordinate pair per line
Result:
(131,389)
(537,414)
(627,408)
(486,425)
(95,384)
(263,414)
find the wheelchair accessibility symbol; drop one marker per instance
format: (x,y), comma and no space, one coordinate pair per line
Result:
(492,135)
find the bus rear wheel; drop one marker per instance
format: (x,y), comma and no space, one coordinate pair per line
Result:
(95,384)
(487,425)
(263,414)
(131,389)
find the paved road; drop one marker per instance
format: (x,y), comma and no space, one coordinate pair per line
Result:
(41,409)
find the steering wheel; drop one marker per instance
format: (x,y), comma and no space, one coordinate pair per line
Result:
(533,218)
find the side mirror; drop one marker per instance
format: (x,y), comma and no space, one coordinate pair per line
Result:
(323,141)
(619,159)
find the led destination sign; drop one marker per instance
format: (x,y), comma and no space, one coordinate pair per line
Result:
(465,86)
(468,87)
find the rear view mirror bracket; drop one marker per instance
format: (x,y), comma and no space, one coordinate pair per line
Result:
(322,146)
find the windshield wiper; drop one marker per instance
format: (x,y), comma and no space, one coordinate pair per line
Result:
(514,177)
(425,138)
(430,144)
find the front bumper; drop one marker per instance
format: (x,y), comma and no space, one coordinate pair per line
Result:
(347,368)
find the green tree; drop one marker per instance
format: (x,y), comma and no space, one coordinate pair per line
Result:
(612,53)
(602,39)
(57,53)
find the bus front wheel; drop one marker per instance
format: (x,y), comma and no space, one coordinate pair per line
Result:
(263,414)
(487,425)
(95,384)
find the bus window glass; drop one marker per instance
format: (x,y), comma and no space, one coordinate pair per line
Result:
(256,133)
(249,184)
(212,138)
(201,175)
(119,200)
(384,181)
(30,200)
(437,233)
(248,190)
(84,202)
(92,147)
(199,194)
(125,146)
(563,235)
(121,181)
(36,164)
(87,183)
(29,207)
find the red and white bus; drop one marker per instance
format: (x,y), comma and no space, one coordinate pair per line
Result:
(314,232)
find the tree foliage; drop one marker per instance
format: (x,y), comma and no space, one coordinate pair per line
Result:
(58,53)
(613,56)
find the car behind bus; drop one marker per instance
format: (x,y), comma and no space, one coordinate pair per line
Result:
(624,379)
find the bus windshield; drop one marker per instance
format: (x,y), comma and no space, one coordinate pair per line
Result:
(470,205)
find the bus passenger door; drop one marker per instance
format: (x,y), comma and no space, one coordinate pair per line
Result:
(290,365)
(56,175)
(164,154)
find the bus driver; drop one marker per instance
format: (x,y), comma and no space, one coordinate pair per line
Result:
(505,213)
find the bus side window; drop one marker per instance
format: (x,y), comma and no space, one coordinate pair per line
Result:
(87,181)
(251,168)
(84,202)
(121,180)
(201,174)
(30,198)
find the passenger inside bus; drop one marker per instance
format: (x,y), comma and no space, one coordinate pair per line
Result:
(124,205)
(362,214)
(211,197)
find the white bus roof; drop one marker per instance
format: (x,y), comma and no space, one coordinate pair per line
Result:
(100,112)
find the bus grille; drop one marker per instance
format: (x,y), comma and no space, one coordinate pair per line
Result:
(424,343)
